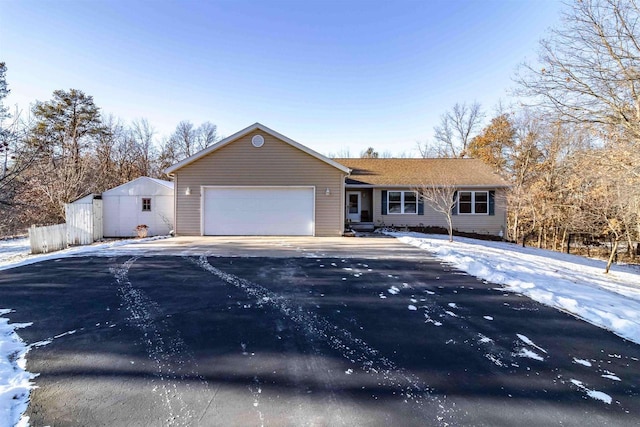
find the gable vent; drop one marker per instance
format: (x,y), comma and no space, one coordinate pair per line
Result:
(257,141)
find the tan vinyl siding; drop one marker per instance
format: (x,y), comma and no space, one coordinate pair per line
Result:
(481,224)
(276,163)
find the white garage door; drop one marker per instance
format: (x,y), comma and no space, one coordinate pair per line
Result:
(258,211)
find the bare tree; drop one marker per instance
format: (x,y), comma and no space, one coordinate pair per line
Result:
(388,154)
(187,140)
(168,154)
(105,156)
(7,139)
(141,135)
(369,153)
(589,69)
(184,139)
(206,135)
(427,149)
(522,169)
(613,197)
(15,156)
(440,194)
(343,153)
(17,159)
(457,127)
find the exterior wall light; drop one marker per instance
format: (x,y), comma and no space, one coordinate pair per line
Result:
(187,191)
(327,192)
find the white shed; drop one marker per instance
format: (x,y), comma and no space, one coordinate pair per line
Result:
(144,200)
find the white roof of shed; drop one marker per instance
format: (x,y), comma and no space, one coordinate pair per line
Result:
(84,200)
(168,184)
(143,186)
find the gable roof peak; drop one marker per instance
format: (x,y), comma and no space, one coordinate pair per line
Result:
(244,132)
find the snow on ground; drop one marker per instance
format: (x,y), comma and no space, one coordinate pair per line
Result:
(594,394)
(15,252)
(15,381)
(570,283)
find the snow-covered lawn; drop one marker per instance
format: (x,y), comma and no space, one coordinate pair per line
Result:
(13,250)
(570,283)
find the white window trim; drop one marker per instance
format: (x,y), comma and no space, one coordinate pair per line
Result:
(473,203)
(402,192)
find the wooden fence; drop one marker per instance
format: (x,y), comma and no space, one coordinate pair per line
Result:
(48,239)
(83,227)
(79,223)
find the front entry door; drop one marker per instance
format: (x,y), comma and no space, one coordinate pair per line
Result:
(353,206)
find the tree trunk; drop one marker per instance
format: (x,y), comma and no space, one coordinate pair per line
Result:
(614,250)
(630,250)
(568,241)
(540,238)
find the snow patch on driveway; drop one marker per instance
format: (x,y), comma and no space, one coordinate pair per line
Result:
(582,362)
(525,352)
(527,341)
(594,394)
(611,377)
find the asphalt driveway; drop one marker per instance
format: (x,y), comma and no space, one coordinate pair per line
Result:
(325,335)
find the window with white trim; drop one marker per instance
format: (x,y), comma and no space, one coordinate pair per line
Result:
(402,202)
(146,205)
(473,202)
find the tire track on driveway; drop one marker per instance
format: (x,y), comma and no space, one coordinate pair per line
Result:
(314,361)
(410,388)
(164,351)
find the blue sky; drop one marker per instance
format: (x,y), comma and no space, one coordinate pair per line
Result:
(333,75)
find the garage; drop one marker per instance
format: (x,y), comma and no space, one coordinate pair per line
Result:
(258,211)
(258,182)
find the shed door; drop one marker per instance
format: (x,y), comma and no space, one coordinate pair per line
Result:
(120,216)
(258,211)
